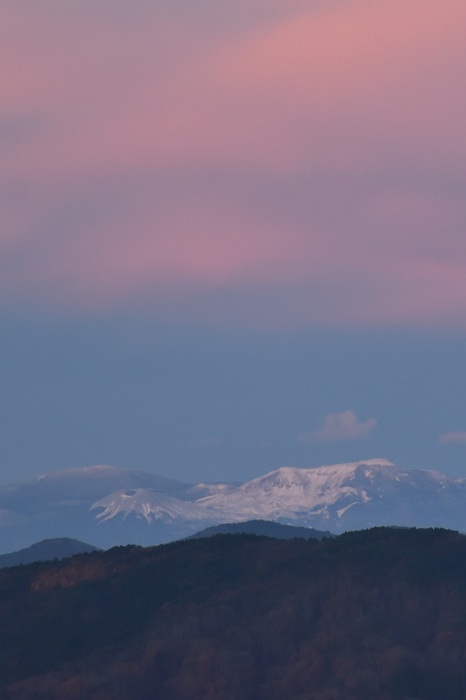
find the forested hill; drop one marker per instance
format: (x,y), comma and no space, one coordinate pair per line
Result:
(374,614)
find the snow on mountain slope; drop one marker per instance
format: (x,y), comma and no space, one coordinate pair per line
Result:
(290,490)
(203,489)
(149,505)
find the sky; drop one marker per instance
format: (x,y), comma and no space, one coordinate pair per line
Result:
(232,235)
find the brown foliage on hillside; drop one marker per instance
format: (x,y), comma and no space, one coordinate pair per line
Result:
(377,614)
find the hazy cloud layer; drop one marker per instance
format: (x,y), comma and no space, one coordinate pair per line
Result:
(265,161)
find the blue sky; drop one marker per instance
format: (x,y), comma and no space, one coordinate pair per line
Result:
(232,235)
(216,404)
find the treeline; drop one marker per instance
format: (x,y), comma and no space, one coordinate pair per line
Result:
(374,614)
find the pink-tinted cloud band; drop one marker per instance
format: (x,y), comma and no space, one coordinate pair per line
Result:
(312,154)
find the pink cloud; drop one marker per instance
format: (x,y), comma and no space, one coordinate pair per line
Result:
(345,121)
(325,86)
(341,426)
(453,438)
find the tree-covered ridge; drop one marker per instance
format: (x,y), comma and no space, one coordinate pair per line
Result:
(373,614)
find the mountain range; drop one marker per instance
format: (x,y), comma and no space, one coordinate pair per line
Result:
(108,505)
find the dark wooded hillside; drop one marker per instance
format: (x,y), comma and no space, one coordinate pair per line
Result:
(375,614)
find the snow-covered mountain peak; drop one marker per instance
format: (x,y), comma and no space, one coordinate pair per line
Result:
(296,479)
(377,462)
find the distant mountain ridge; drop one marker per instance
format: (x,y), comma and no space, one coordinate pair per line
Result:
(108,505)
(46,550)
(263,528)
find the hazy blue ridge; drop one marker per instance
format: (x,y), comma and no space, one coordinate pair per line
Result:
(263,528)
(46,550)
